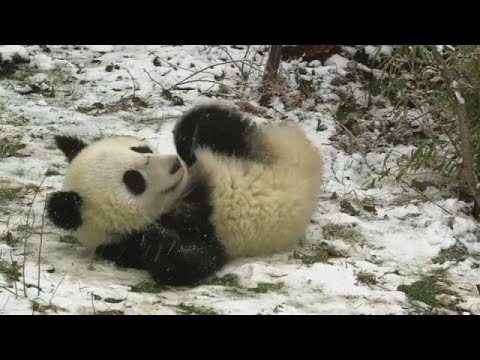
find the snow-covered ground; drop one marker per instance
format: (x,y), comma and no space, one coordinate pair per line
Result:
(364,251)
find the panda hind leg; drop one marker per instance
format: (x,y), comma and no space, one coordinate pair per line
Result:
(221,129)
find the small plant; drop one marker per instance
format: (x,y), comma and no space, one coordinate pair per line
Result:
(458,252)
(11,270)
(195,310)
(341,231)
(43,309)
(367,278)
(264,287)
(52,172)
(322,252)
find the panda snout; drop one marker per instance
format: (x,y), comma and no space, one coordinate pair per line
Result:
(175,166)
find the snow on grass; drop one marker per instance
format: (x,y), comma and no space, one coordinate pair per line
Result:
(363,246)
(9,52)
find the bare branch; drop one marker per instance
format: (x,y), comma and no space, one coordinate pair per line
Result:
(55,291)
(41,243)
(37,190)
(155,81)
(133,81)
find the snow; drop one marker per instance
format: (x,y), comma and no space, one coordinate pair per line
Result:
(373,50)
(399,242)
(338,62)
(8,52)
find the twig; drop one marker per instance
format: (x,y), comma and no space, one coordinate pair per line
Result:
(155,81)
(5,305)
(93,305)
(231,58)
(15,283)
(41,242)
(462,121)
(10,291)
(181,82)
(203,70)
(26,236)
(210,81)
(55,291)
(245,58)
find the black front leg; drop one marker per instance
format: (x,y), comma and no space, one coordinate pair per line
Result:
(126,253)
(181,261)
(170,259)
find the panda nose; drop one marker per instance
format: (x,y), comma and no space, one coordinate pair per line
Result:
(175,166)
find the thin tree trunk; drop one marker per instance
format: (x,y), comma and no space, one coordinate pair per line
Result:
(273,63)
(271,72)
(463,126)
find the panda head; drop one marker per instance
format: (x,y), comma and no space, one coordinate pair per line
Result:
(114,186)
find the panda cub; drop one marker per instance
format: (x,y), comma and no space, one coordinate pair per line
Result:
(236,189)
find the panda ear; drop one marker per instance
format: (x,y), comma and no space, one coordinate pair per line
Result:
(63,209)
(69,145)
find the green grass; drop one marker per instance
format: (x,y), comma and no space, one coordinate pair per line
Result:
(69,239)
(456,253)
(8,195)
(366,278)
(9,148)
(110,312)
(229,280)
(17,121)
(147,287)
(263,287)
(43,309)
(425,291)
(51,172)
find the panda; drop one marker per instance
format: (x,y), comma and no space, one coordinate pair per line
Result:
(234,189)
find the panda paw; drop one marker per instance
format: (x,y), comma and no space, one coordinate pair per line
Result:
(158,243)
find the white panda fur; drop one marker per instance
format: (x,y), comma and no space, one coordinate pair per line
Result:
(262,208)
(108,208)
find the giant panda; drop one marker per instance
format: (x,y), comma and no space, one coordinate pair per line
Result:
(234,189)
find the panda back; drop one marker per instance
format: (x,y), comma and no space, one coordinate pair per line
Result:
(263,206)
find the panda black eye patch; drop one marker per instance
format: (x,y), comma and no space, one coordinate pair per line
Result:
(142,149)
(134,182)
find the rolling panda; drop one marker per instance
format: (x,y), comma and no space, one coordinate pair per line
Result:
(236,189)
